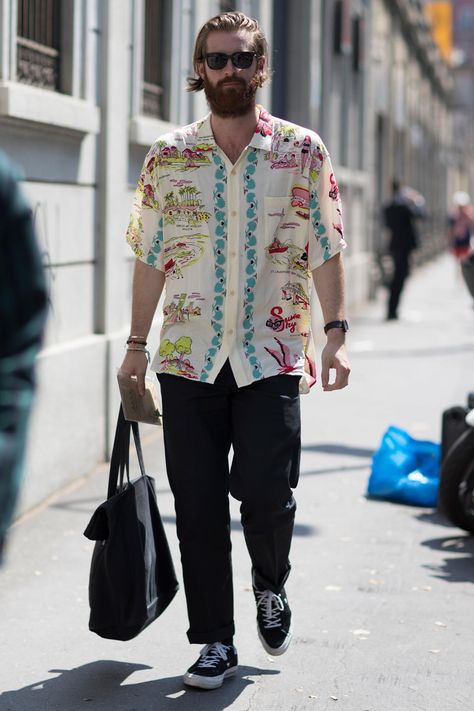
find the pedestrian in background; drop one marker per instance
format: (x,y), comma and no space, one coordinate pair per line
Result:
(400,217)
(461,225)
(23,302)
(235,216)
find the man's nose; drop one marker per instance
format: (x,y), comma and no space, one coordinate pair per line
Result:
(229,67)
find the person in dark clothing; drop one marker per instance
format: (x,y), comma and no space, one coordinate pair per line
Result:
(400,216)
(23,304)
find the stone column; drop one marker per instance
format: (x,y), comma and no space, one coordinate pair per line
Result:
(112,284)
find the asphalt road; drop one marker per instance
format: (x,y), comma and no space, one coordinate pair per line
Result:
(382,593)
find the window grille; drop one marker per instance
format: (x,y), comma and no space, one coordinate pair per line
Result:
(153,59)
(38,46)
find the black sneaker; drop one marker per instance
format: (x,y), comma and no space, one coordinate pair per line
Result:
(274,624)
(216,662)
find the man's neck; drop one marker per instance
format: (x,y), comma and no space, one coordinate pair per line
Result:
(233,134)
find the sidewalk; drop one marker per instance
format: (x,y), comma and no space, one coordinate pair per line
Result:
(382,593)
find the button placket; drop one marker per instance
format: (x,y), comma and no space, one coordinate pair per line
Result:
(233,254)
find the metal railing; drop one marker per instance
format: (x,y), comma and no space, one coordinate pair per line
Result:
(38,46)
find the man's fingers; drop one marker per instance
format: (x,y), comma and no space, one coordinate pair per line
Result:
(334,358)
(135,365)
(341,380)
(324,376)
(141,383)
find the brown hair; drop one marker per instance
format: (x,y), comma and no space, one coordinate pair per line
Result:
(227,22)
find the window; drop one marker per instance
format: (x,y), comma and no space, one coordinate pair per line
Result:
(227,6)
(342,27)
(155,65)
(357,43)
(38,50)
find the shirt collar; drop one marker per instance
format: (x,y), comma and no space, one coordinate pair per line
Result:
(204,133)
(262,138)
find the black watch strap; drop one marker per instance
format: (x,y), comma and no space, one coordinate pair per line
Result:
(343,325)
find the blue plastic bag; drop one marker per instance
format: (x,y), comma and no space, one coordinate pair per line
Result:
(405,469)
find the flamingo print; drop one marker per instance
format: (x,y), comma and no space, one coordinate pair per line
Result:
(282,357)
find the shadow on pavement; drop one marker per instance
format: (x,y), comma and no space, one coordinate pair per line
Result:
(334,470)
(458,567)
(99,686)
(435,516)
(344,449)
(87,506)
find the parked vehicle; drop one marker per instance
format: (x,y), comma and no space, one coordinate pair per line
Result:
(467,269)
(456,488)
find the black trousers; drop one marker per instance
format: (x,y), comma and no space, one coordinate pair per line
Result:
(201,422)
(401,270)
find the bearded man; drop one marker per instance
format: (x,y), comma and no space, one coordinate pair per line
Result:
(214,223)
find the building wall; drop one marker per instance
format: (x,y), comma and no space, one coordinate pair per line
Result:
(463,62)
(81,149)
(410,124)
(319,88)
(53,137)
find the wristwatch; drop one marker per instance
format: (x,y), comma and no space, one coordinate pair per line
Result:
(342,325)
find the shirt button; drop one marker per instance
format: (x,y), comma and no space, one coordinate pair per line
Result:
(232,292)
(233,254)
(234,213)
(230,331)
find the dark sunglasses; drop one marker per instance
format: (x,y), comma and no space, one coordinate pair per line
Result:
(240,60)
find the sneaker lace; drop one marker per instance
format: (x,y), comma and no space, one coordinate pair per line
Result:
(211,654)
(271,605)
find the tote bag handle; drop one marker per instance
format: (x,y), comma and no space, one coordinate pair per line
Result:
(120,458)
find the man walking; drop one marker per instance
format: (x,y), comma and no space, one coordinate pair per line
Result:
(234,216)
(400,216)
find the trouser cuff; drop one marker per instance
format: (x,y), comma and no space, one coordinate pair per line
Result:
(262,583)
(212,636)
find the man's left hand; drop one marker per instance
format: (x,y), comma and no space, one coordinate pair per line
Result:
(334,357)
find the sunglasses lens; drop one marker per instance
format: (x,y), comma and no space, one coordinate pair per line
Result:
(242,60)
(216,60)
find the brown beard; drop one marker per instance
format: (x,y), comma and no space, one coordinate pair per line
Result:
(235,100)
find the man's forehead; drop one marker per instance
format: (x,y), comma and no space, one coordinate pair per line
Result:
(221,41)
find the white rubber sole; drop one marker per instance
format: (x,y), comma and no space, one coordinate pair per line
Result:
(276,651)
(208,682)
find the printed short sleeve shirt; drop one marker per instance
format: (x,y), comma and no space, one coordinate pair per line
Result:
(237,243)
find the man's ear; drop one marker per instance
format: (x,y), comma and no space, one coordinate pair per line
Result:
(200,69)
(261,64)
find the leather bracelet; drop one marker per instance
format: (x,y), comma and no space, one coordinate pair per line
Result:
(137,339)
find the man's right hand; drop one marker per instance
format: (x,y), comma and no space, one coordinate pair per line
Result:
(135,363)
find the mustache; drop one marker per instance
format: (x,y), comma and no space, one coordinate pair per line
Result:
(232,80)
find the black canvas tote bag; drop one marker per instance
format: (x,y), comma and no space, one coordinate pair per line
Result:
(132,577)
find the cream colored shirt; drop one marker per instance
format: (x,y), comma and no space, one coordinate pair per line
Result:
(237,243)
